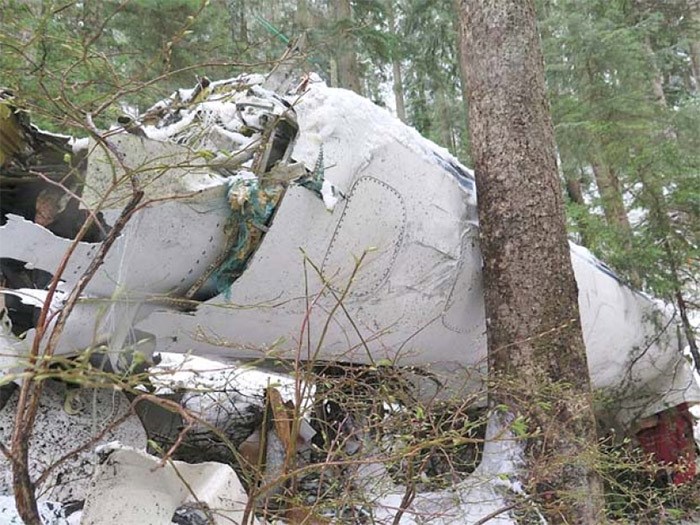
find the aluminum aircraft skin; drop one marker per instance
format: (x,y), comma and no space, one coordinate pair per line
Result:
(316,227)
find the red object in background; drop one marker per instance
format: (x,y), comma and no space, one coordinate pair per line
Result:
(671,442)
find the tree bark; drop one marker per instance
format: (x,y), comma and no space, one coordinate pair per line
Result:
(611,196)
(694,8)
(302,16)
(605,177)
(348,67)
(614,210)
(575,194)
(610,191)
(396,65)
(537,358)
(446,128)
(398,89)
(460,50)
(657,80)
(23,487)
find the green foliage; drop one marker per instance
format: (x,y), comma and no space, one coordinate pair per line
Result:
(433,79)
(637,491)
(622,97)
(70,59)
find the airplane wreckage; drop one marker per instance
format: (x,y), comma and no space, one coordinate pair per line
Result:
(312,226)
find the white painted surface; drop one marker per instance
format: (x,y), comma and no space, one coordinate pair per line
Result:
(133,487)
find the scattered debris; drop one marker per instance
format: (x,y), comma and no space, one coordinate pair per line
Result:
(668,436)
(227,404)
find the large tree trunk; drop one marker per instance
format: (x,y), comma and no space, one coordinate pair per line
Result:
(446,128)
(396,65)
(398,89)
(238,27)
(607,181)
(611,196)
(537,357)
(610,191)
(302,16)
(346,59)
(574,191)
(694,8)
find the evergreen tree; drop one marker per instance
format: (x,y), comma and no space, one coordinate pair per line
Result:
(537,358)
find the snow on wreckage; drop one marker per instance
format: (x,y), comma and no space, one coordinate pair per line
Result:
(257,210)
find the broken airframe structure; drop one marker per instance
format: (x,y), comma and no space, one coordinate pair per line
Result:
(311,226)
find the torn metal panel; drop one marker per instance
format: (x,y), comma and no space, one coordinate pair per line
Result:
(134,487)
(130,268)
(40,175)
(39,248)
(203,202)
(131,279)
(162,170)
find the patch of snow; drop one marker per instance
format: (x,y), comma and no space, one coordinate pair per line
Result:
(329,195)
(63,425)
(184,371)
(50,512)
(185,94)
(245,79)
(79,144)
(107,448)
(11,350)
(489,490)
(166,132)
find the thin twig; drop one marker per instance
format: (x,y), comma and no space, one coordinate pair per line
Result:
(497,513)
